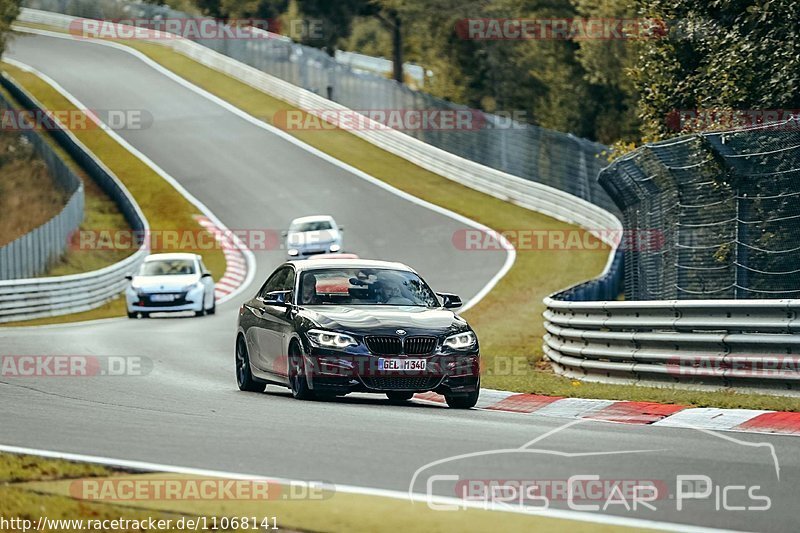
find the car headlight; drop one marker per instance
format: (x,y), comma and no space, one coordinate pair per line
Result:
(293,252)
(461,341)
(330,339)
(335,247)
(195,285)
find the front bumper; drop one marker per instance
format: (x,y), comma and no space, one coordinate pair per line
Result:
(335,372)
(191,300)
(301,252)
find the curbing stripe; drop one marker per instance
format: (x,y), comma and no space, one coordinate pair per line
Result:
(636,413)
(776,422)
(523,403)
(710,418)
(573,407)
(235,263)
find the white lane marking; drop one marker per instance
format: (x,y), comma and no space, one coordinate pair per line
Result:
(249,256)
(353,489)
(710,417)
(511,253)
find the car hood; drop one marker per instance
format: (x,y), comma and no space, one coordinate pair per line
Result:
(383,320)
(310,238)
(174,283)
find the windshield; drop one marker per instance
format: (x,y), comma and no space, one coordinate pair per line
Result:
(365,286)
(315,225)
(167,267)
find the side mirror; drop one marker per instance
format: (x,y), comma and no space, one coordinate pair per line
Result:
(449,301)
(129,277)
(284,233)
(277,297)
(341,228)
(206,275)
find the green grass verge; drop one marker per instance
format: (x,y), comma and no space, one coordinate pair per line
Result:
(31,487)
(110,309)
(163,206)
(509,320)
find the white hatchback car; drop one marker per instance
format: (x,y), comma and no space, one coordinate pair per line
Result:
(318,234)
(168,283)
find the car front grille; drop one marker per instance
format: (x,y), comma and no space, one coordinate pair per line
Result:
(391,345)
(419,383)
(419,345)
(384,345)
(179,298)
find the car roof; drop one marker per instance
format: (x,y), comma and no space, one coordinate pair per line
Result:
(317,264)
(153,257)
(312,218)
(331,257)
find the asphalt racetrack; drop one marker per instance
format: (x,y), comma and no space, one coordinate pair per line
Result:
(187,411)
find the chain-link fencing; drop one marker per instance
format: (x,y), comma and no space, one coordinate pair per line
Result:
(726,209)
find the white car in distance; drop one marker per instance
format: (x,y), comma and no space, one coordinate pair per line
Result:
(168,283)
(312,235)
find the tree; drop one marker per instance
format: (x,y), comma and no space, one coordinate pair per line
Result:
(9,10)
(726,54)
(608,64)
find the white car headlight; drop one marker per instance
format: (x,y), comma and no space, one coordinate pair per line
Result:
(194,285)
(293,252)
(335,248)
(330,339)
(461,341)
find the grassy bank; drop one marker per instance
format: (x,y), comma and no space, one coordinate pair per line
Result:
(29,199)
(28,195)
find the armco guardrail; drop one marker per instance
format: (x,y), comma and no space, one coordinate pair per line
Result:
(526,193)
(740,343)
(32,253)
(22,299)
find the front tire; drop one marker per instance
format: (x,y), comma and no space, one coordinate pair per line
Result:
(244,377)
(464,401)
(297,375)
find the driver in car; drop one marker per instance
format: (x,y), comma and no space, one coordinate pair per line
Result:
(309,295)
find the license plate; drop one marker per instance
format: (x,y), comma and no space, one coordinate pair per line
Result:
(402,364)
(162,297)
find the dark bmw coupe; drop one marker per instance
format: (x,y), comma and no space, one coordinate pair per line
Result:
(326,328)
